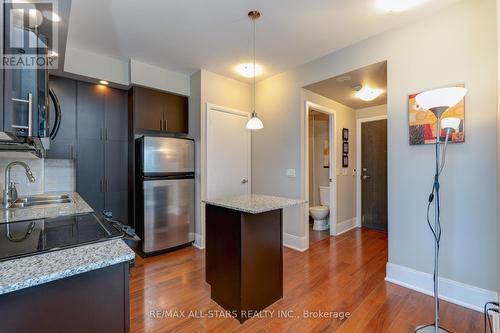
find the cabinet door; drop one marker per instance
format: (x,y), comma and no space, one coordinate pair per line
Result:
(148,109)
(116,199)
(116,154)
(115,115)
(176,113)
(63,146)
(90,155)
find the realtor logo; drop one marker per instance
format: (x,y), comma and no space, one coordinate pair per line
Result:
(30,36)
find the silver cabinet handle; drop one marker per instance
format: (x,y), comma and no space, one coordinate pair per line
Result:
(100,134)
(105,129)
(71,152)
(161,124)
(101,186)
(106,186)
(244,181)
(165,126)
(30,114)
(28,101)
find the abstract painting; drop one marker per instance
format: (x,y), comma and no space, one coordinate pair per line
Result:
(423,123)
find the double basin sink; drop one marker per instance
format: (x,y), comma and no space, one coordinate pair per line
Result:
(40,200)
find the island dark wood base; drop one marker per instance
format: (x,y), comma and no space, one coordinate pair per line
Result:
(244,259)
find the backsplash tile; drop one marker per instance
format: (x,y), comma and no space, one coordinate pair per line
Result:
(50,175)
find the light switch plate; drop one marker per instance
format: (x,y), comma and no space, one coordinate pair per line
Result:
(291,173)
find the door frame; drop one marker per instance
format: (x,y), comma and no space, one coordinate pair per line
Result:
(359,122)
(332,131)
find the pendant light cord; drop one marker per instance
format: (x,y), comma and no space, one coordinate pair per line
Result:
(253,89)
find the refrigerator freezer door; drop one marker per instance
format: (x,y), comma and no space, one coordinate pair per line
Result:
(168,155)
(168,213)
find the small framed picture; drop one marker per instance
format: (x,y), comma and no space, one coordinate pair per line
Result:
(345,148)
(345,134)
(345,161)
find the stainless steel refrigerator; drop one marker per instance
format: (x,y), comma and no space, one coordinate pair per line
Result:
(165,200)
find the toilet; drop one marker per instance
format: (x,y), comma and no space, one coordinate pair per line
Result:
(320,213)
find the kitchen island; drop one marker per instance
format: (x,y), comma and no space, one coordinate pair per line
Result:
(64,269)
(244,259)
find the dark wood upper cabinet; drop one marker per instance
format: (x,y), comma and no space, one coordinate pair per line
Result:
(158,111)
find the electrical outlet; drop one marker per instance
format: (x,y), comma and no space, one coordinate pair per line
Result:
(291,173)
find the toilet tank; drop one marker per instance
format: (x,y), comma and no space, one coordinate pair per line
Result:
(324,195)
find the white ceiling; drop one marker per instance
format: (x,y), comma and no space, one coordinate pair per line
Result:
(186,35)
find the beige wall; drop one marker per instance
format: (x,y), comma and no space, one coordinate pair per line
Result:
(373,111)
(219,90)
(318,174)
(457,44)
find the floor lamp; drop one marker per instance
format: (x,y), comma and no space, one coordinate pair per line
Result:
(438,101)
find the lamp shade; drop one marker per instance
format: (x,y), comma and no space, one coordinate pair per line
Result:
(254,123)
(442,97)
(450,123)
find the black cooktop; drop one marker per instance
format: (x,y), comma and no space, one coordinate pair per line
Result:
(23,238)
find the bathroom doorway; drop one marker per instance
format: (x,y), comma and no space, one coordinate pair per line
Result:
(321,172)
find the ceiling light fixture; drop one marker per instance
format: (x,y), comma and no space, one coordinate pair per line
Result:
(254,123)
(397,5)
(104,82)
(247,70)
(367,94)
(50,15)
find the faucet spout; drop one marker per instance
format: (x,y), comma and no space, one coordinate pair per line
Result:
(7,200)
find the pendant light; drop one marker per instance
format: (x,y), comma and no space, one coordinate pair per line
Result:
(254,123)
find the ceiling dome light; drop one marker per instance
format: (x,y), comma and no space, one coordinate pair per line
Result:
(367,94)
(50,15)
(397,5)
(440,98)
(246,70)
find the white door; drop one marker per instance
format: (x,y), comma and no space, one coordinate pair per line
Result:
(228,153)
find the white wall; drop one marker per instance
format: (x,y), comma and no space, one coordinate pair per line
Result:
(452,46)
(146,75)
(372,111)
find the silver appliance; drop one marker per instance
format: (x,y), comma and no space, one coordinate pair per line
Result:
(165,193)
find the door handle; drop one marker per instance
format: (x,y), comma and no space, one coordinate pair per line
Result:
(244,181)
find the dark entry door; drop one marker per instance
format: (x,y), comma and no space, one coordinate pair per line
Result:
(374,174)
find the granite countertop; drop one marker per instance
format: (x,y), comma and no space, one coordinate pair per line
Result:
(76,206)
(254,203)
(30,271)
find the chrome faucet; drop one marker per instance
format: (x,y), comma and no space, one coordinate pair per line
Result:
(9,193)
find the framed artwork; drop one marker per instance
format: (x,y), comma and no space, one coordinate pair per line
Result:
(345,161)
(422,123)
(345,148)
(345,134)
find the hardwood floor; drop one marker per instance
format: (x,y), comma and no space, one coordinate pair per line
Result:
(342,274)
(315,236)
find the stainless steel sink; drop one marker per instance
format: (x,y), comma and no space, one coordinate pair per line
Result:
(40,200)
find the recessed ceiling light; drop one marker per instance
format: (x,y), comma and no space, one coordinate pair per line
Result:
(53,53)
(50,15)
(246,70)
(367,94)
(104,82)
(397,5)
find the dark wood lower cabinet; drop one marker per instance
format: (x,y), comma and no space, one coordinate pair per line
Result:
(244,260)
(96,301)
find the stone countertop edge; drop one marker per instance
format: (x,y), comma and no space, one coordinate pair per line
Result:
(25,272)
(254,203)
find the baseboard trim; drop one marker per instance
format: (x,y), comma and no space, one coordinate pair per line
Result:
(346,225)
(452,291)
(295,242)
(495,322)
(199,242)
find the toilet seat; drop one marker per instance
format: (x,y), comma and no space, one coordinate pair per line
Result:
(319,209)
